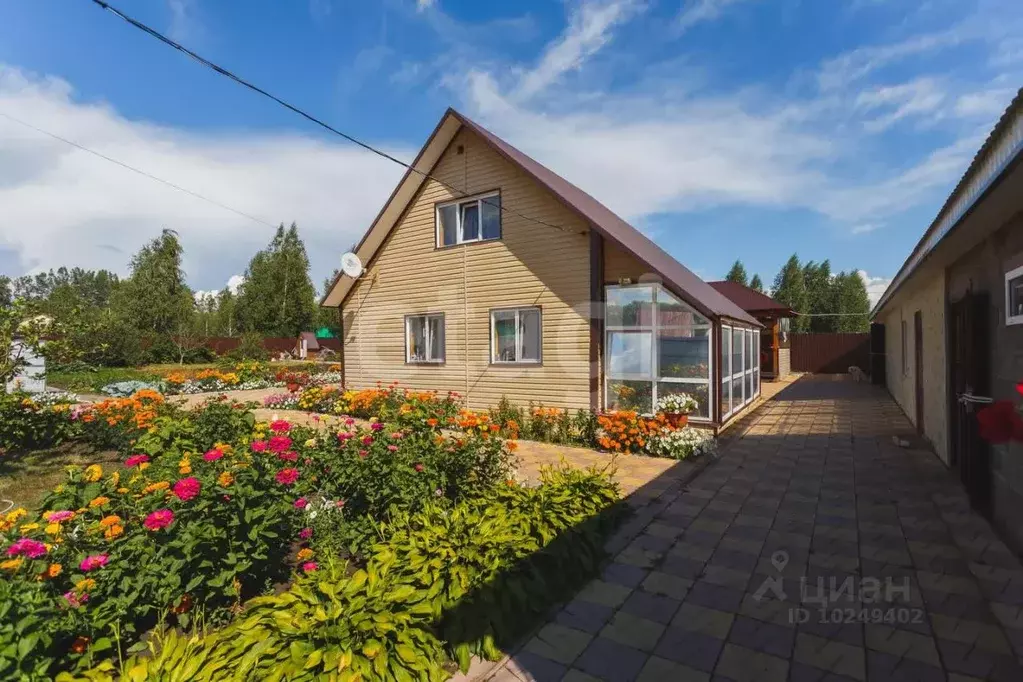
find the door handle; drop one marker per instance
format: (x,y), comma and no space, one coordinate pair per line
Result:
(970,399)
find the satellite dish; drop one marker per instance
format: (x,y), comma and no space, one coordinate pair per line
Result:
(351,265)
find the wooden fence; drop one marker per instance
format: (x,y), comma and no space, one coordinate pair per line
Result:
(830,353)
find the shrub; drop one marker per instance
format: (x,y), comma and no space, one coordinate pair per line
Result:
(250,348)
(33,422)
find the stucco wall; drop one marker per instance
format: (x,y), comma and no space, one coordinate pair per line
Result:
(928,296)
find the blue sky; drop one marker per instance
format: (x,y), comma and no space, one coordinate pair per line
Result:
(725,129)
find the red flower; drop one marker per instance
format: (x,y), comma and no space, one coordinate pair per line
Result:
(377,426)
(288,456)
(186,488)
(258,446)
(279,443)
(301,503)
(367,440)
(309,566)
(305,533)
(363,454)
(999,422)
(1019,388)
(135,460)
(213,455)
(419,467)
(287,476)
(161,518)
(280,426)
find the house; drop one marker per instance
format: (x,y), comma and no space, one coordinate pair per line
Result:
(489,275)
(953,323)
(311,346)
(775,357)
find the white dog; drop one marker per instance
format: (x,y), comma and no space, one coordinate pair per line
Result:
(857,374)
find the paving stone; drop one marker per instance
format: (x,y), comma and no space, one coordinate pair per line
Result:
(729,558)
(901,643)
(768,610)
(604,593)
(726,577)
(769,638)
(529,667)
(691,552)
(659,669)
(611,661)
(658,608)
(623,574)
(962,658)
(704,620)
(559,643)
(658,582)
(664,530)
(574,675)
(800,672)
(985,635)
(693,649)
(746,665)
(584,615)
(714,596)
(835,657)
(633,631)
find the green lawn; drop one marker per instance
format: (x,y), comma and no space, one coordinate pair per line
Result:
(26,477)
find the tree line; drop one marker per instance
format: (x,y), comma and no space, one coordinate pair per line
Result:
(826,302)
(153,316)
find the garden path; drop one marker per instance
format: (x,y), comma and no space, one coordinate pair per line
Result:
(706,582)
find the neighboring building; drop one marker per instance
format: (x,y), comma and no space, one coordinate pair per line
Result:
(953,323)
(775,358)
(31,377)
(311,346)
(490,276)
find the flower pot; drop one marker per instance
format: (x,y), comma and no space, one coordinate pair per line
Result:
(677,420)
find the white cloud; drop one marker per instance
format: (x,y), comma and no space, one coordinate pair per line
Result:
(233,282)
(63,206)
(184,26)
(843,70)
(875,286)
(897,102)
(699,11)
(984,104)
(589,28)
(865,228)
(423,5)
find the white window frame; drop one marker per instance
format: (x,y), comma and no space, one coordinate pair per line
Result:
(518,336)
(750,360)
(1011,319)
(655,377)
(427,334)
(459,203)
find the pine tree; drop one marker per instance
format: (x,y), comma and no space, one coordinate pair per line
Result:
(790,290)
(755,284)
(737,273)
(277,297)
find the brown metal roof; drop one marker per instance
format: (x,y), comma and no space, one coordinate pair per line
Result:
(751,300)
(682,281)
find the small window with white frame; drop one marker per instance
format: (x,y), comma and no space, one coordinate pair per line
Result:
(424,339)
(474,219)
(1014,296)
(515,336)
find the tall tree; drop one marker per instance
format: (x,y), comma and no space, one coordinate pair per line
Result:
(329,317)
(6,294)
(820,297)
(277,297)
(755,284)
(226,315)
(737,273)
(155,299)
(853,302)
(790,289)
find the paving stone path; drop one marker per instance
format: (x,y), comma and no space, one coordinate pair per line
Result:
(721,580)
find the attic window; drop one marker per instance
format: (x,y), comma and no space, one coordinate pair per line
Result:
(475,219)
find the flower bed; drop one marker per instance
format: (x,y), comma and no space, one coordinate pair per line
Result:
(213,509)
(243,376)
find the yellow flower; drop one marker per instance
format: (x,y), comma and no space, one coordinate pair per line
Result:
(93,473)
(153,487)
(52,571)
(311,443)
(108,521)
(85,584)
(143,466)
(186,469)
(113,532)
(115,477)
(59,489)
(99,501)
(122,490)
(305,554)
(11,564)
(14,515)
(25,528)
(225,479)
(184,461)
(53,529)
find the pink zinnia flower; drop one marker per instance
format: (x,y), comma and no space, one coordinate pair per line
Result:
(280,426)
(75,601)
(309,566)
(418,467)
(279,443)
(377,426)
(59,516)
(186,488)
(344,435)
(396,435)
(392,448)
(305,533)
(363,454)
(135,460)
(288,456)
(33,549)
(94,562)
(287,476)
(367,440)
(161,518)
(349,421)
(258,446)
(301,503)
(213,455)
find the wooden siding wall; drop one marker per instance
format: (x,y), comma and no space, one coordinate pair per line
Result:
(619,263)
(532,265)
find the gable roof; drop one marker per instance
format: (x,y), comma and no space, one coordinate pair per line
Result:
(751,300)
(676,276)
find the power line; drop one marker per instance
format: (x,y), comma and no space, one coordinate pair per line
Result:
(326,126)
(135,170)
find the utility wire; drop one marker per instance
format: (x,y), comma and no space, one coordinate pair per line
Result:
(255,88)
(135,170)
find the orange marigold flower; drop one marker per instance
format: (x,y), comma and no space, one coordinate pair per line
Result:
(305,554)
(113,532)
(111,520)
(154,487)
(512,446)
(225,479)
(98,501)
(52,571)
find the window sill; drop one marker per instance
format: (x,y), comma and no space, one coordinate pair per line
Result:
(474,242)
(516,363)
(426,363)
